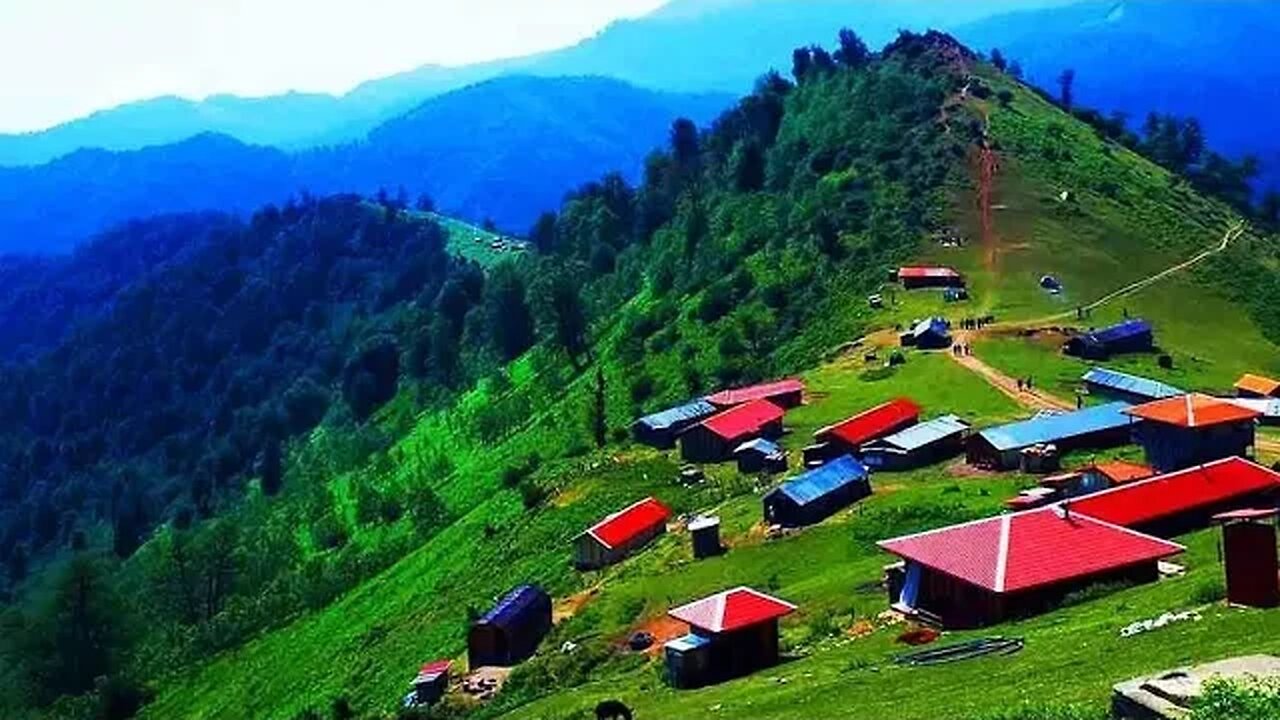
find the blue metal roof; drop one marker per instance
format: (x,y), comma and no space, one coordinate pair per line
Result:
(1132,384)
(690,411)
(512,608)
(760,445)
(1121,331)
(924,434)
(820,481)
(1051,428)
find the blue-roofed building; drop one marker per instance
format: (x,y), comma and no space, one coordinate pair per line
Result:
(1103,426)
(510,632)
(1115,385)
(918,445)
(1129,336)
(760,455)
(817,494)
(929,334)
(661,429)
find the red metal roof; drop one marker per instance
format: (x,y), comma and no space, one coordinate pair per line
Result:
(1120,471)
(732,610)
(1026,550)
(624,525)
(737,396)
(873,424)
(432,670)
(1193,411)
(927,272)
(743,420)
(1165,495)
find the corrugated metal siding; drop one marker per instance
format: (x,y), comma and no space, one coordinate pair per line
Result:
(1057,427)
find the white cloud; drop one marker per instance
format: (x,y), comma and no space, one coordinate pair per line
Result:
(64,58)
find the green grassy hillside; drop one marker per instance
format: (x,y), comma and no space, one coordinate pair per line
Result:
(747,253)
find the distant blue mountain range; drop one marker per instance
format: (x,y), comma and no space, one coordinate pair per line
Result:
(506,139)
(693,46)
(506,149)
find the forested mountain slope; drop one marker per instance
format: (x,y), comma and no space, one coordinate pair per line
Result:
(483,420)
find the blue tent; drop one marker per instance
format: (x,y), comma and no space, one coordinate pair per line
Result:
(930,334)
(1130,388)
(660,429)
(817,494)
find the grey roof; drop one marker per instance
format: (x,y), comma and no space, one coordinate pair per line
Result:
(1051,428)
(691,411)
(922,435)
(823,480)
(1132,384)
(1269,407)
(760,445)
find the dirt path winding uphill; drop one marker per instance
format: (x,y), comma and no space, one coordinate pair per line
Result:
(1036,399)
(1234,232)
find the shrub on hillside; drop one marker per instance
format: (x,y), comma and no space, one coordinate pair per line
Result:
(1234,700)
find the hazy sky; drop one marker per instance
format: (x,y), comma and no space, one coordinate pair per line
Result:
(60,59)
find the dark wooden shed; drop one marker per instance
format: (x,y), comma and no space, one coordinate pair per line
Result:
(733,633)
(509,633)
(1249,557)
(817,494)
(714,439)
(1188,430)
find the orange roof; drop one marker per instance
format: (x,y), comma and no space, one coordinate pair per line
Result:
(1119,471)
(1193,411)
(1258,385)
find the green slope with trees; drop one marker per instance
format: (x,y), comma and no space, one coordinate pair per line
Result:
(475,420)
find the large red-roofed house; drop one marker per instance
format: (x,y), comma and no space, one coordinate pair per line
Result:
(612,539)
(715,439)
(1176,503)
(733,633)
(1015,565)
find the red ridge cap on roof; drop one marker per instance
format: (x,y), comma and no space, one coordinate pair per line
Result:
(630,522)
(1193,411)
(1159,497)
(732,610)
(743,420)
(874,423)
